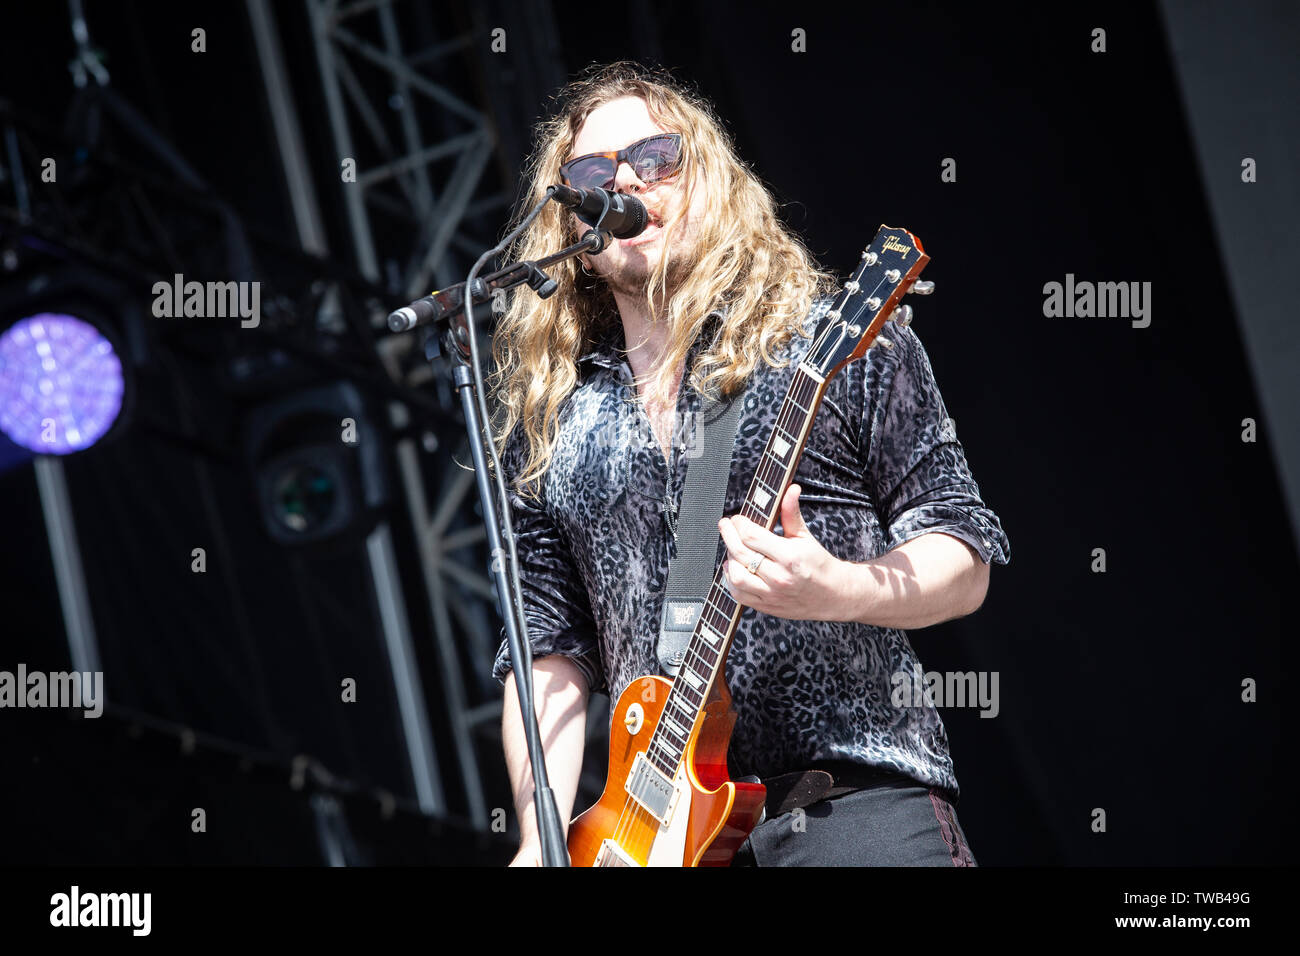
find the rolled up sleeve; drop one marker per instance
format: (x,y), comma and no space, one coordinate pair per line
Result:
(917,472)
(556,606)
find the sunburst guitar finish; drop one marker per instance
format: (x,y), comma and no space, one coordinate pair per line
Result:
(710,814)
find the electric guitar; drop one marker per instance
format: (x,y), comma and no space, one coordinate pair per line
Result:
(668,800)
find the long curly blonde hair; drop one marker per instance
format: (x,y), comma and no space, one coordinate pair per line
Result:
(749,262)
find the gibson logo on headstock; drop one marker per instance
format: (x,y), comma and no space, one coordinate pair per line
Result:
(893,245)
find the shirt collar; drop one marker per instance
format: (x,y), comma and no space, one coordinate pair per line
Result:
(608,350)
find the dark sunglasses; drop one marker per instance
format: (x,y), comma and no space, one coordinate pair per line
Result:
(652,159)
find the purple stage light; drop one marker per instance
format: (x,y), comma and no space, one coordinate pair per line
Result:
(60,384)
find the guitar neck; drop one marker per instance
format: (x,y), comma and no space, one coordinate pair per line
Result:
(707,651)
(890,266)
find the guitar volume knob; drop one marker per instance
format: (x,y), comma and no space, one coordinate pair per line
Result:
(634,719)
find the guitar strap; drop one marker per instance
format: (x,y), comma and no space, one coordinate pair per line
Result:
(690,573)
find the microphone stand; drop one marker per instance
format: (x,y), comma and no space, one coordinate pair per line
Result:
(455,328)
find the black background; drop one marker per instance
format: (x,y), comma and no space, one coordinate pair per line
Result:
(1119,691)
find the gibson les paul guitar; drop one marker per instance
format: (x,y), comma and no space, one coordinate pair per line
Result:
(668,800)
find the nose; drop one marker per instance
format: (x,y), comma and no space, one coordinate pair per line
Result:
(626,180)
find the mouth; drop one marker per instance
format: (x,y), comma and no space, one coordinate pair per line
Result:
(651,231)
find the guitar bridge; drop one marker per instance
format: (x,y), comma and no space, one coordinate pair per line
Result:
(611,854)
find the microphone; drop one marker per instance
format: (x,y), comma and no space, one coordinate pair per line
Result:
(627,216)
(435,305)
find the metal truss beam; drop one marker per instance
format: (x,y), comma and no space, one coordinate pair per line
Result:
(414,119)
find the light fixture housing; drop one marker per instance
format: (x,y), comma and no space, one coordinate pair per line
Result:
(62,385)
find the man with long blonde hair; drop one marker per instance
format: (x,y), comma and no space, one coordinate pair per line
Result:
(598,389)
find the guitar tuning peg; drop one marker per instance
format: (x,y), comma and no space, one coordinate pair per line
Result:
(902,316)
(884,342)
(921,287)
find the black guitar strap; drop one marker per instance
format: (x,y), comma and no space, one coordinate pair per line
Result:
(690,574)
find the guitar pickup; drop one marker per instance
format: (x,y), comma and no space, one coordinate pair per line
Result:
(651,789)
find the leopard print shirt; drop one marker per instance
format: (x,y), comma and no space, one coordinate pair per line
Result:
(882,465)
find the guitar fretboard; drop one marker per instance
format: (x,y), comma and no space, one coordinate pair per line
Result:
(708,646)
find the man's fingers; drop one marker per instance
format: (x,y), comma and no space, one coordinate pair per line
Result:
(754,540)
(735,546)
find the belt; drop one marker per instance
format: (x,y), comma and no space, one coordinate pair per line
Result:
(821,781)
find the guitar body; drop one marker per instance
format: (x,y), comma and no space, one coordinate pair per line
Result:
(712,815)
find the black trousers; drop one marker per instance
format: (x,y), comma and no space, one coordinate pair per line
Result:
(896,822)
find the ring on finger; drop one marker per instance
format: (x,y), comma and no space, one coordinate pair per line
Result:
(752,567)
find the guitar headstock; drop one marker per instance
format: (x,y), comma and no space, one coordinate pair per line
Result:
(889,267)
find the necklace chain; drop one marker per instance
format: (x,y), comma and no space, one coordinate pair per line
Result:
(670,509)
